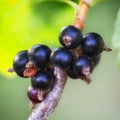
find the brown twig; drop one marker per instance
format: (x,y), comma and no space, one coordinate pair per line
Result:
(81,14)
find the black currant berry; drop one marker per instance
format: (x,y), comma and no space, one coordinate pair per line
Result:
(92,44)
(62,57)
(70,37)
(39,55)
(32,94)
(19,62)
(96,60)
(83,66)
(42,80)
(72,73)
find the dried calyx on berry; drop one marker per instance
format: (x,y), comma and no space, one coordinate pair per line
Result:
(70,37)
(93,44)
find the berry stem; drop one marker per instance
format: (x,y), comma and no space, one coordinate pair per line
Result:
(87,80)
(106,48)
(48,105)
(81,14)
(10,70)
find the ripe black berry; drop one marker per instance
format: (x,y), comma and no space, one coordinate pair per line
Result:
(42,80)
(72,73)
(70,37)
(19,62)
(83,66)
(32,94)
(39,55)
(62,57)
(92,44)
(96,60)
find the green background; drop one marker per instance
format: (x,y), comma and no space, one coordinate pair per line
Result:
(98,101)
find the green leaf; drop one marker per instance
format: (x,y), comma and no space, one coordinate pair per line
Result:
(116,37)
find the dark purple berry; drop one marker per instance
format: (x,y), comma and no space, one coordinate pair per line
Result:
(32,94)
(72,73)
(62,57)
(70,37)
(96,60)
(39,55)
(92,44)
(83,66)
(19,62)
(42,80)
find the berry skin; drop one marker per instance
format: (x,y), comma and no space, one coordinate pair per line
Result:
(83,66)
(96,60)
(92,44)
(72,74)
(62,57)
(39,55)
(70,37)
(42,80)
(32,94)
(19,62)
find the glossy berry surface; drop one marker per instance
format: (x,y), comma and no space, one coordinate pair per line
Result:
(39,55)
(92,44)
(19,62)
(81,63)
(70,37)
(42,80)
(32,94)
(96,60)
(62,57)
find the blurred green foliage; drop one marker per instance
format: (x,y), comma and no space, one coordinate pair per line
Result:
(28,22)
(116,37)
(24,23)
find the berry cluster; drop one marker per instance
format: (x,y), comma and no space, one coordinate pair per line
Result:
(35,63)
(78,56)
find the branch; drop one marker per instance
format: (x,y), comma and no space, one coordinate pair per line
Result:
(50,102)
(81,13)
